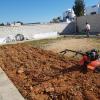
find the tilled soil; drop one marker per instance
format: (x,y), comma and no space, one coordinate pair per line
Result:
(44,75)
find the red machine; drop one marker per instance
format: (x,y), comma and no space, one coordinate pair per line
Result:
(90,59)
(93,65)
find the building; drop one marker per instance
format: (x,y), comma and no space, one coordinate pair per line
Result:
(95,9)
(15,24)
(68,15)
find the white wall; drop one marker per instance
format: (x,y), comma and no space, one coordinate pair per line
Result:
(30,30)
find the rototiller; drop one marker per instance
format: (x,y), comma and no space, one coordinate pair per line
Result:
(90,59)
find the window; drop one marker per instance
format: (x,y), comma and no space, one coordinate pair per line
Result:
(92,13)
(94,6)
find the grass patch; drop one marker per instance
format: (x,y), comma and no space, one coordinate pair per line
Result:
(96,42)
(43,42)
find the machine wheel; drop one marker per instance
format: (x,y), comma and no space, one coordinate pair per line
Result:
(97,70)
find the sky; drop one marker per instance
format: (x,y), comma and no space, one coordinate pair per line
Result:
(30,11)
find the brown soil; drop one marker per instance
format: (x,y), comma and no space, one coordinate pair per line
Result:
(43,75)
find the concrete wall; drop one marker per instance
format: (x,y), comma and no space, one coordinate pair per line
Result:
(93,20)
(29,30)
(70,29)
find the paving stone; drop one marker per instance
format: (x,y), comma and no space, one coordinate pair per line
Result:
(7,89)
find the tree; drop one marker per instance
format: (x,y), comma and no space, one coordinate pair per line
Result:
(56,20)
(79,7)
(20,22)
(2,24)
(8,24)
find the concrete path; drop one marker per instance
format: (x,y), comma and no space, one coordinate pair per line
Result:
(7,90)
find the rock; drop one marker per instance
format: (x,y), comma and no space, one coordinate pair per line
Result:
(49,89)
(97,83)
(78,96)
(19,37)
(89,96)
(20,70)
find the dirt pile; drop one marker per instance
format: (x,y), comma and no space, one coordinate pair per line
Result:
(43,75)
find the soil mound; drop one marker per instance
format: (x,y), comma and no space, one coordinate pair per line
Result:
(44,75)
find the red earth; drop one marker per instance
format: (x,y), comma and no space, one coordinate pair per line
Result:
(43,75)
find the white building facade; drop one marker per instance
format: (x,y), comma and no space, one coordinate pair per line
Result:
(68,15)
(95,9)
(15,24)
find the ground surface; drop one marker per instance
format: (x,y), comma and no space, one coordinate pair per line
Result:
(43,75)
(74,43)
(82,44)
